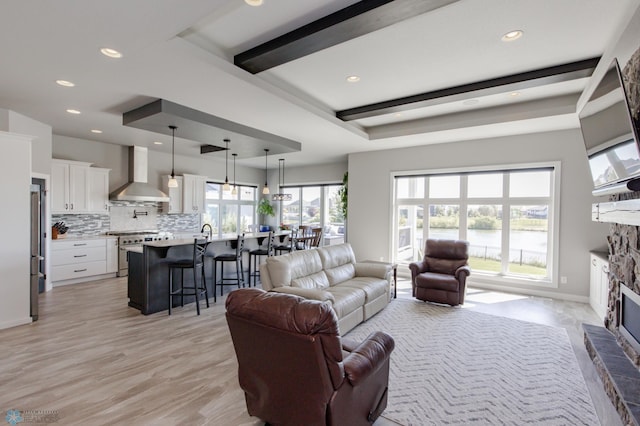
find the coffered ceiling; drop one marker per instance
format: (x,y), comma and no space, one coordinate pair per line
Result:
(429,71)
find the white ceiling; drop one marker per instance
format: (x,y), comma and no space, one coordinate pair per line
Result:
(182,51)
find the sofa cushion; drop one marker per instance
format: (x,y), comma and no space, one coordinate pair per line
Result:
(338,262)
(444,266)
(437,281)
(318,281)
(340,274)
(372,287)
(338,255)
(283,270)
(347,299)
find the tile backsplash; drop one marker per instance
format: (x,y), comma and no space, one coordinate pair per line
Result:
(83,225)
(121,218)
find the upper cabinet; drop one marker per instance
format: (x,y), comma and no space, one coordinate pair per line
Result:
(69,187)
(98,190)
(193,193)
(78,188)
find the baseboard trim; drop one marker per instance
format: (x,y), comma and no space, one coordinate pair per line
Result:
(15,323)
(531,292)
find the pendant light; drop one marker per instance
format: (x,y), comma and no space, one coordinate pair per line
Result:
(226,186)
(234,191)
(281,196)
(265,190)
(173,183)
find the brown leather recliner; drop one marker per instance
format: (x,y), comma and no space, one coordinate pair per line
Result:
(441,276)
(295,369)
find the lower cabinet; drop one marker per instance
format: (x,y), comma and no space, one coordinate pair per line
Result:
(599,284)
(79,259)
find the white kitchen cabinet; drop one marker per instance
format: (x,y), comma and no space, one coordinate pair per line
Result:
(75,260)
(599,284)
(69,186)
(98,190)
(175,195)
(193,193)
(112,255)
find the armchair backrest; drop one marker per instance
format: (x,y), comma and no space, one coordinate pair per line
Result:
(289,352)
(445,256)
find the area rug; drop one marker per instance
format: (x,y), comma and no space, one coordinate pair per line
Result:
(452,366)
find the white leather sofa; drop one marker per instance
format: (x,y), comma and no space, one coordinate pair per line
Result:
(357,291)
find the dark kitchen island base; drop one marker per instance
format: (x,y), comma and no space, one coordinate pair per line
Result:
(148,280)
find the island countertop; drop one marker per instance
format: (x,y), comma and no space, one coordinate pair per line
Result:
(186,241)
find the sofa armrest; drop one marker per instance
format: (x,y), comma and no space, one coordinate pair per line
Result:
(462,270)
(377,270)
(417,268)
(368,357)
(307,293)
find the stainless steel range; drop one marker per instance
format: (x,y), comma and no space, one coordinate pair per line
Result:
(133,240)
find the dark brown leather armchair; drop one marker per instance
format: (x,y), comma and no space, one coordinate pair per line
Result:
(441,276)
(295,369)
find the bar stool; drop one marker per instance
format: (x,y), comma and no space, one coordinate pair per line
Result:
(256,253)
(196,263)
(236,257)
(290,245)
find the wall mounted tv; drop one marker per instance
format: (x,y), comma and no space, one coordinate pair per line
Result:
(610,134)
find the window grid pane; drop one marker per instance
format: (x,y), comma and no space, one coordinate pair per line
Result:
(507,226)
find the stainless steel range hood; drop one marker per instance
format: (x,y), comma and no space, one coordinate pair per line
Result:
(137,189)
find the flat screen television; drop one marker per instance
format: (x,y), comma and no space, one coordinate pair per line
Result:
(610,132)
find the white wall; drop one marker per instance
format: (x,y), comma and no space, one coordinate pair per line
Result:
(370,193)
(15,214)
(11,121)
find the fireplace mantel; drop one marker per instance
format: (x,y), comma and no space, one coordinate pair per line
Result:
(626,212)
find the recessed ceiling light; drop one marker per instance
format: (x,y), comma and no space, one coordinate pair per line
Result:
(157,143)
(96,131)
(254,2)
(512,35)
(73,111)
(112,53)
(471,102)
(397,115)
(514,94)
(65,83)
(353,79)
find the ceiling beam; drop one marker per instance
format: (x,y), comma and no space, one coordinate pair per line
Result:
(540,77)
(346,24)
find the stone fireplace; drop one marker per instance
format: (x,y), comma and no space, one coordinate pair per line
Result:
(614,350)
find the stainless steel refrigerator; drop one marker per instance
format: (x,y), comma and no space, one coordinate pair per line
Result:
(36,257)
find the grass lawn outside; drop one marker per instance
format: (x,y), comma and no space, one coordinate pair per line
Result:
(490,265)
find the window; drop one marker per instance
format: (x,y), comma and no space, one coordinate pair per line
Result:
(506,214)
(230,214)
(317,206)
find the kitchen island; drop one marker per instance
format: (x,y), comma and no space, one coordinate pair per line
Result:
(148,280)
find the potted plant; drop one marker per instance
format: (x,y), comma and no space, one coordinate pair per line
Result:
(265,208)
(343,194)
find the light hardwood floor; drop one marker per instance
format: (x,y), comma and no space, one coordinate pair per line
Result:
(93,360)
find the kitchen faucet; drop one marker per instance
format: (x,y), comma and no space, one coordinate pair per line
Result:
(206,225)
